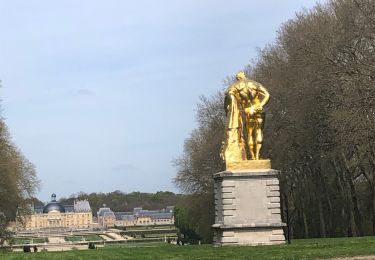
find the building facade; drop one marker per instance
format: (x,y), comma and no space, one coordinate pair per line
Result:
(53,215)
(139,217)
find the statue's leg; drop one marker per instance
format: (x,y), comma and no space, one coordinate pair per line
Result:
(259,138)
(251,142)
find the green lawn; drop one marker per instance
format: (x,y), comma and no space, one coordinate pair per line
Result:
(299,249)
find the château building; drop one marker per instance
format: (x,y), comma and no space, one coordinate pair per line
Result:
(138,217)
(53,215)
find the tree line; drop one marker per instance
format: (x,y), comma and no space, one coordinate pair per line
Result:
(18,182)
(319,129)
(121,201)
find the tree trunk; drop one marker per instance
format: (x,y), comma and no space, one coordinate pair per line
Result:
(352,226)
(327,198)
(321,219)
(371,182)
(357,213)
(340,182)
(351,199)
(305,225)
(350,209)
(372,185)
(373,209)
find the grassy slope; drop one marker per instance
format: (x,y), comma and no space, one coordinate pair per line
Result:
(299,249)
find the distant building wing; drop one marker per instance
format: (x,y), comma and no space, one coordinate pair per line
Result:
(82,206)
(102,211)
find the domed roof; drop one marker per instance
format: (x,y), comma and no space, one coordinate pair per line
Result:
(53,205)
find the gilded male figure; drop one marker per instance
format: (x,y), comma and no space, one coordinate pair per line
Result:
(244,100)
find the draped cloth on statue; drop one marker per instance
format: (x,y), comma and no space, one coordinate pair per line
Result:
(234,147)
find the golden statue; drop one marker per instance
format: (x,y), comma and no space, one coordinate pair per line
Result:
(244,101)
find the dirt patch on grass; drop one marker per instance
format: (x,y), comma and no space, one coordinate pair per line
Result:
(364,257)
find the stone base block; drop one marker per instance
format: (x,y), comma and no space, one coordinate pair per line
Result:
(251,236)
(247,208)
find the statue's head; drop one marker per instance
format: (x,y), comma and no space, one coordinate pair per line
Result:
(240,75)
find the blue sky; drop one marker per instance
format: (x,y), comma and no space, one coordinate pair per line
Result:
(100,95)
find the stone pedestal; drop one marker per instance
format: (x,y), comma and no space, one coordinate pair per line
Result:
(247,208)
